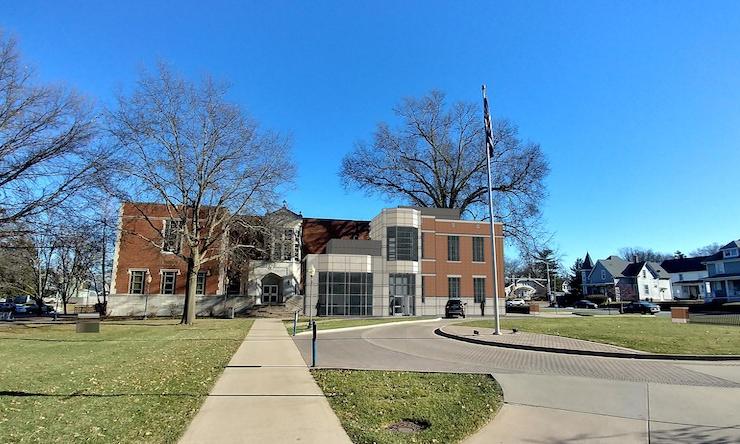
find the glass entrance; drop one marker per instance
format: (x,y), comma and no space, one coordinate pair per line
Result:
(402,290)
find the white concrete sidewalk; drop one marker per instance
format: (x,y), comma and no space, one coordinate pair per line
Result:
(266,395)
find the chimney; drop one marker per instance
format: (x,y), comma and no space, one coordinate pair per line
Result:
(635,259)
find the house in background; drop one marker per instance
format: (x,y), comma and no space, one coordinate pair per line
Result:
(643,281)
(526,288)
(601,278)
(687,277)
(619,280)
(722,283)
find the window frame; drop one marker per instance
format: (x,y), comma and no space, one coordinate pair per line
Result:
(163,281)
(453,248)
(479,289)
(450,281)
(131,281)
(479,254)
(174,245)
(200,283)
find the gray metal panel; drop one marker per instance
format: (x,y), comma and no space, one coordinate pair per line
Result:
(439,213)
(354,246)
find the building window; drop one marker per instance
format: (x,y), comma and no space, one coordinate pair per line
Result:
(422,236)
(478,249)
(453,248)
(423,289)
(402,243)
(297,248)
(345,294)
(453,287)
(680,276)
(172,236)
(732,252)
(136,285)
(200,284)
(644,274)
(168,282)
(603,275)
(288,236)
(646,288)
(479,289)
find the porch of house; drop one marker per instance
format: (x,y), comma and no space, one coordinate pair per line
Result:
(725,287)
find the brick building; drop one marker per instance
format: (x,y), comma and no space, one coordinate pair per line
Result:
(406,261)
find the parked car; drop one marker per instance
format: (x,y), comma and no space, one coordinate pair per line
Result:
(585,304)
(45,309)
(7,306)
(643,307)
(21,308)
(515,303)
(454,307)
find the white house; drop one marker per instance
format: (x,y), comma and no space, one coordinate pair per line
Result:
(618,279)
(687,277)
(645,281)
(723,274)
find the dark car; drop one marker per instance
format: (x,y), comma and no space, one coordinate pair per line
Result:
(454,307)
(643,307)
(585,304)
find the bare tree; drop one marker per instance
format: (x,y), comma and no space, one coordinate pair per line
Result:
(643,254)
(706,250)
(436,158)
(45,141)
(73,260)
(185,145)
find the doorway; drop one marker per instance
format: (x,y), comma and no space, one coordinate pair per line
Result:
(269,294)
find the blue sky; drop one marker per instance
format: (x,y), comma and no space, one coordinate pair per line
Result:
(637,104)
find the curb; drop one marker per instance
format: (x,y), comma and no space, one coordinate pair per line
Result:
(567,351)
(365,327)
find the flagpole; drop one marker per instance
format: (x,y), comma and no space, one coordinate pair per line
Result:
(489,149)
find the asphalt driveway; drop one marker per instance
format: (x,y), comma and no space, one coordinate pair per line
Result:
(552,398)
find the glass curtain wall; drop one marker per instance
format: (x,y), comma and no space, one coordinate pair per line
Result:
(345,294)
(402,243)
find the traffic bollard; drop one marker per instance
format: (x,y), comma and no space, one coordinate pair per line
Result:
(313,345)
(295,321)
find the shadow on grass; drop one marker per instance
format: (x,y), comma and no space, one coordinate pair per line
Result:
(19,394)
(122,340)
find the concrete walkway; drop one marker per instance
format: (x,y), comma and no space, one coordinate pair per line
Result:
(266,395)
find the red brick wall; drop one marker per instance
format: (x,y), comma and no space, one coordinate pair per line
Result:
(136,252)
(434,257)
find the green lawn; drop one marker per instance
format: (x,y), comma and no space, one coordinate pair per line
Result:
(367,402)
(647,333)
(137,381)
(331,323)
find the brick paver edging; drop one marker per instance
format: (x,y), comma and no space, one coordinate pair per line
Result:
(604,354)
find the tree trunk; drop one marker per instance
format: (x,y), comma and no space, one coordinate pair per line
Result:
(188,312)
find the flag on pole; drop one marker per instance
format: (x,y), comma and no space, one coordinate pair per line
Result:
(489,156)
(489,129)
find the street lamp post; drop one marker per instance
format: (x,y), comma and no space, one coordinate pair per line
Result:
(311,273)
